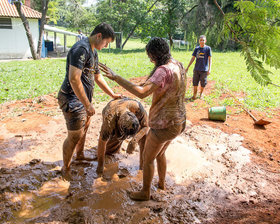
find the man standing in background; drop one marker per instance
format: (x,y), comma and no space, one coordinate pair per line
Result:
(202,68)
(81,36)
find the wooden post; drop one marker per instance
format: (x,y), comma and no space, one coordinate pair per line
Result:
(54,41)
(64,43)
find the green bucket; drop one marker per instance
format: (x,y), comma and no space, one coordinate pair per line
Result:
(217,113)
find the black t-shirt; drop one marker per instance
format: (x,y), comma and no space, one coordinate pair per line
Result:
(81,56)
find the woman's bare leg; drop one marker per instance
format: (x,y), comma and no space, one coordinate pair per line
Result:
(161,166)
(141,146)
(152,149)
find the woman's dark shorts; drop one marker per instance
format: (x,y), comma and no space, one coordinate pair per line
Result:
(169,133)
(73,110)
(199,76)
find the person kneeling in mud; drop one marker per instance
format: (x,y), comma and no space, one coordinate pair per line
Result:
(122,118)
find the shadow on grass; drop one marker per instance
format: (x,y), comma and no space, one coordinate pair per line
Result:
(136,50)
(119,51)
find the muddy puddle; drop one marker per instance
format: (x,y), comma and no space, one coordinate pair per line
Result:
(210,179)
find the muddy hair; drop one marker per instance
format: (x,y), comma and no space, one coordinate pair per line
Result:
(158,50)
(128,125)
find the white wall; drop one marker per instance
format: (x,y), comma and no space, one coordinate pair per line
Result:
(14,42)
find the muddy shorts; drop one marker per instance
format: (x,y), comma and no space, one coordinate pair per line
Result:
(199,76)
(113,145)
(169,133)
(73,110)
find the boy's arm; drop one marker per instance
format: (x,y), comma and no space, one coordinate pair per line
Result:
(77,86)
(143,120)
(210,63)
(100,81)
(132,144)
(101,148)
(191,61)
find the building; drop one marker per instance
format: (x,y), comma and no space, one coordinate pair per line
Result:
(13,40)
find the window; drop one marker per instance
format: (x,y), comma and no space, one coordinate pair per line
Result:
(6,23)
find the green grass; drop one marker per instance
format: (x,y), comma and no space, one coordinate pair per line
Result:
(28,79)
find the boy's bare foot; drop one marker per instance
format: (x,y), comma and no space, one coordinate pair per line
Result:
(161,186)
(66,173)
(140,196)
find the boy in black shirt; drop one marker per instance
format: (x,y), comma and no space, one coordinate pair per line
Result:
(75,95)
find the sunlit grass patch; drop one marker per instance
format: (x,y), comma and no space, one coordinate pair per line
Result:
(29,79)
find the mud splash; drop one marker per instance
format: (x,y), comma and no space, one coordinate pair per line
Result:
(210,178)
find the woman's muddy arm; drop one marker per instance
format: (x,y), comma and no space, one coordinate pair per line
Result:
(139,91)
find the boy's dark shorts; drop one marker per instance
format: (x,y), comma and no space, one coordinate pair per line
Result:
(199,76)
(73,110)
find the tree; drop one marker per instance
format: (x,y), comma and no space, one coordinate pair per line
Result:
(165,20)
(35,54)
(255,25)
(139,20)
(125,15)
(72,14)
(52,11)
(201,17)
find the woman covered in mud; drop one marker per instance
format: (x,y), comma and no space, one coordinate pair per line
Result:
(167,116)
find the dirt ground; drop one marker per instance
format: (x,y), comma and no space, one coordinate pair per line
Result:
(217,172)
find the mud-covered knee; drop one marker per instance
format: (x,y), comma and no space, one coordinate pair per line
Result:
(76,136)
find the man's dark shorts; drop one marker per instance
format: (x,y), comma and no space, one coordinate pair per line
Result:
(73,110)
(199,76)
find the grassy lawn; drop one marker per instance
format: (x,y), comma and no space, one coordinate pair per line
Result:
(28,79)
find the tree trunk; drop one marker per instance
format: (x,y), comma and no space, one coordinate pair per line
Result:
(27,29)
(170,40)
(42,23)
(188,12)
(137,23)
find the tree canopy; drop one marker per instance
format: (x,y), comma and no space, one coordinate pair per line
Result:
(251,26)
(255,26)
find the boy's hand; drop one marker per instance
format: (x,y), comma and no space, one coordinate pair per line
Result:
(131,147)
(117,96)
(90,110)
(208,73)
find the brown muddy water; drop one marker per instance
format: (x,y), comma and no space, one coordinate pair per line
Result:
(210,179)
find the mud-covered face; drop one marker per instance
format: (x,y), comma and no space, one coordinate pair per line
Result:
(128,125)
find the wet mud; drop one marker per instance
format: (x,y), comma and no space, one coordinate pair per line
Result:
(210,179)
(212,176)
